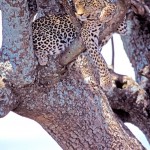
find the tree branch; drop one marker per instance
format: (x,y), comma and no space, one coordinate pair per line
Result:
(7,99)
(74,112)
(113,53)
(16,45)
(131,103)
(46,7)
(32,6)
(137,44)
(71,13)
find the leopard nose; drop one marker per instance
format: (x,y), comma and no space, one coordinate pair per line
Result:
(81,14)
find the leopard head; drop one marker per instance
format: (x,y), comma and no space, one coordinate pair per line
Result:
(88,9)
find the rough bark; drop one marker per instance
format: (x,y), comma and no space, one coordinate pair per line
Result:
(74,111)
(137,48)
(131,104)
(17,49)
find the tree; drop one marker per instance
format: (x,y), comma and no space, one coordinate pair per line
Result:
(75,113)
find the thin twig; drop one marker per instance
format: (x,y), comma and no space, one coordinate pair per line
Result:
(113,53)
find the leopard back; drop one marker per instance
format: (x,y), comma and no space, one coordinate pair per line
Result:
(51,35)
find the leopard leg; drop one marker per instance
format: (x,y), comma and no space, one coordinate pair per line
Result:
(104,41)
(90,34)
(101,66)
(124,27)
(107,12)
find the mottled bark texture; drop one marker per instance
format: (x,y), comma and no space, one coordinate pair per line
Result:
(60,96)
(17,50)
(137,47)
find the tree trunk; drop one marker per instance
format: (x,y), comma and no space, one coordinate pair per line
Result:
(137,47)
(17,49)
(74,111)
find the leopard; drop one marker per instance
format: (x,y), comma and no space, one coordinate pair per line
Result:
(93,13)
(53,33)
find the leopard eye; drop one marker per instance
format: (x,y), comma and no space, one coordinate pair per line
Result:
(82,3)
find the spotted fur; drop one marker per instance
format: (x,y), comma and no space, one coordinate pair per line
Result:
(93,13)
(52,34)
